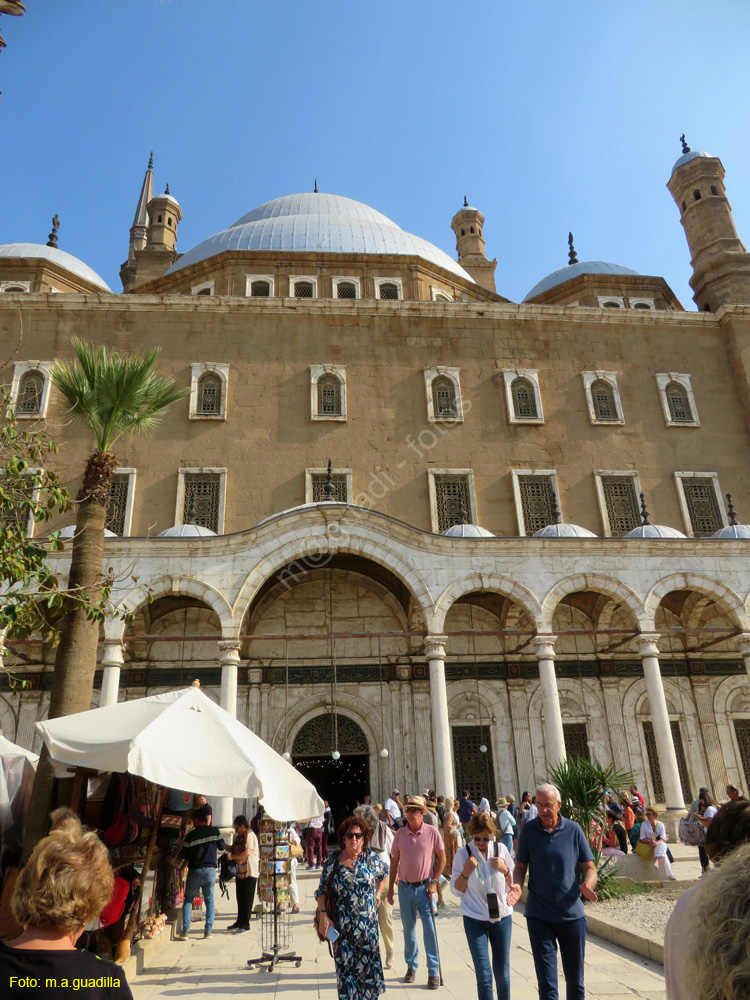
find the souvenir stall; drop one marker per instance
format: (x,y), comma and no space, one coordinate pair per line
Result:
(17,769)
(180,740)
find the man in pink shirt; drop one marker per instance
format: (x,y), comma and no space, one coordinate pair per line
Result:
(417,858)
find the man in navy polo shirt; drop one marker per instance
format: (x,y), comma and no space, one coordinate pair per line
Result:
(553,848)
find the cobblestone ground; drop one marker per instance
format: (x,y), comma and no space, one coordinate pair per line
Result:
(216,967)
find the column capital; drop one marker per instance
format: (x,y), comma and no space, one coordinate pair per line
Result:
(648,643)
(545,646)
(609,681)
(434,646)
(229,650)
(743,643)
(112,654)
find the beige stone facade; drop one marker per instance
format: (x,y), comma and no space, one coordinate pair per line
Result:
(443,403)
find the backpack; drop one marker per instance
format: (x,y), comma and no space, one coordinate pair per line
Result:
(227,871)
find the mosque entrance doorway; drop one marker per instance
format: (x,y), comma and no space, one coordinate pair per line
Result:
(342,782)
(474,769)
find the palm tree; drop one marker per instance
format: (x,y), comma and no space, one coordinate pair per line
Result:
(113,394)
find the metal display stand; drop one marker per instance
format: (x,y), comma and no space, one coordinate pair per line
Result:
(273,889)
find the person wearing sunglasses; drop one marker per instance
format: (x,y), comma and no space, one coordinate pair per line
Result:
(481,878)
(355,876)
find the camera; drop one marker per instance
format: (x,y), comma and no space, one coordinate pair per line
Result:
(493,906)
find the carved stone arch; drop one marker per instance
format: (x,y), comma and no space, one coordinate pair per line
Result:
(178,585)
(487,582)
(313,551)
(598,583)
(730,691)
(731,704)
(723,595)
(316,704)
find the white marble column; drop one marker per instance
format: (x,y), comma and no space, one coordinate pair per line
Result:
(554,738)
(442,754)
(670,773)
(229,658)
(112,661)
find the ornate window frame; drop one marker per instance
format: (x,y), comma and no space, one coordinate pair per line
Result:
(645,304)
(679,478)
(316,373)
(516,474)
(309,473)
(130,474)
(180,500)
(530,375)
(204,288)
(197,371)
(398,282)
(440,295)
(346,280)
(600,474)
(30,522)
(18,287)
(294,279)
(452,374)
(250,278)
(589,378)
(664,379)
(604,300)
(21,368)
(469,475)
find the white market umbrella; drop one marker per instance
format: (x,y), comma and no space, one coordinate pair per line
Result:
(16,778)
(183,740)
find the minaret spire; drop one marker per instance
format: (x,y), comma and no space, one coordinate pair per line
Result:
(139,229)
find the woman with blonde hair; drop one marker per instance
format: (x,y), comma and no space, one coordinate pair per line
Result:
(64,818)
(451,828)
(65,884)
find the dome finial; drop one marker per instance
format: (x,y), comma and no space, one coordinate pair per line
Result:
(166,189)
(315,188)
(52,238)
(685,147)
(572,256)
(731,511)
(466,203)
(151,161)
(644,512)
(329,488)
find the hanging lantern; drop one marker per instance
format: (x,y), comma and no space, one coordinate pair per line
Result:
(335,755)
(483,749)
(286,755)
(384,753)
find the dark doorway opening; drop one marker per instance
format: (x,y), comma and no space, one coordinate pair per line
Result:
(342,782)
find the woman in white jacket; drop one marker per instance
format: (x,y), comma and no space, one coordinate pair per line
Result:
(653,832)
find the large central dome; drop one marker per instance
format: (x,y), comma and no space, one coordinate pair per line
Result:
(318,223)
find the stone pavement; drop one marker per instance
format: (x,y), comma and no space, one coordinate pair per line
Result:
(216,967)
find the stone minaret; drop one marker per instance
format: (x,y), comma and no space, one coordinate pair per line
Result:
(139,229)
(159,253)
(468,224)
(721,265)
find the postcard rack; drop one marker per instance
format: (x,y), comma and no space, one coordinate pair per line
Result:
(274,883)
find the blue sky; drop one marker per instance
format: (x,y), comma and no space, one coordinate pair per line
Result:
(549,116)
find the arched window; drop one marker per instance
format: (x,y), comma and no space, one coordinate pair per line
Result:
(444,397)
(603,400)
(209,395)
(15,288)
(612,305)
(524,401)
(303,290)
(204,291)
(29,398)
(329,396)
(260,289)
(388,290)
(346,290)
(678,402)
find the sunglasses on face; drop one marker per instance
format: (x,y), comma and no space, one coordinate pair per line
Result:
(482,840)
(413,809)
(354,836)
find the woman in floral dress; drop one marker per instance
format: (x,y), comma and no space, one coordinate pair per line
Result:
(357,876)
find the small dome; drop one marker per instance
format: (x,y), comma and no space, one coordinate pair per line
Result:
(563,531)
(692,155)
(733,531)
(70,531)
(185,531)
(654,531)
(563,274)
(165,196)
(37,251)
(467,531)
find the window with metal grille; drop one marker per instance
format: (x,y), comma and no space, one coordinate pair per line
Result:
(742,732)
(119,488)
(388,290)
(303,289)
(317,738)
(679,403)
(260,289)
(621,502)
(603,400)
(444,397)
(452,500)
(340,494)
(30,389)
(655,767)
(703,507)
(474,769)
(329,396)
(537,502)
(346,290)
(576,740)
(203,494)
(209,395)
(524,401)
